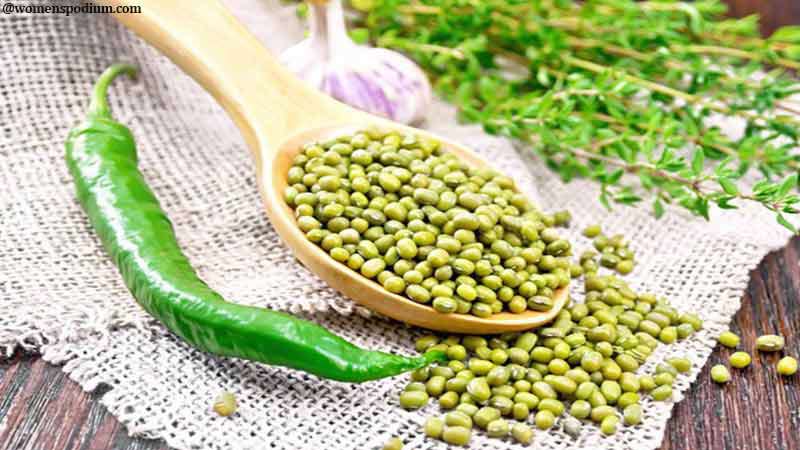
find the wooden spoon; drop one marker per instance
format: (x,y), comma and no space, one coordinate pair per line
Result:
(277,113)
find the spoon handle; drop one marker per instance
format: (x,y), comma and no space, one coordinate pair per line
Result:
(266,101)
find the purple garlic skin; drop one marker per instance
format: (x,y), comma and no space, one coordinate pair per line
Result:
(375,80)
(381,82)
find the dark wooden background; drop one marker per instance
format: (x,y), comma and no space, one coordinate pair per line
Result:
(41,409)
(774,13)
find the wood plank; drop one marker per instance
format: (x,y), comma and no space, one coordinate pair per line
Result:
(758,408)
(13,377)
(41,408)
(39,389)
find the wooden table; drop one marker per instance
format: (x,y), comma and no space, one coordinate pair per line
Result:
(40,408)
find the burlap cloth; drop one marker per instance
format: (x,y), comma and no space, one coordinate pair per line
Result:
(62,297)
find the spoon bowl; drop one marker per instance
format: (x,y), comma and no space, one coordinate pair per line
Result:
(277,114)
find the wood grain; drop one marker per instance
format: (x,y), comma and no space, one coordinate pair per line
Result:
(40,408)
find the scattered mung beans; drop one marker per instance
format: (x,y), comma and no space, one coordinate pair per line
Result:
(518,375)
(740,360)
(614,252)
(400,210)
(584,362)
(787,366)
(770,343)
(720,374)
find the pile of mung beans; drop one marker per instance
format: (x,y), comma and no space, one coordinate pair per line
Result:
(583,365)
(422,223)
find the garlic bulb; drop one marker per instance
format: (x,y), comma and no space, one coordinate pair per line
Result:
(375,80)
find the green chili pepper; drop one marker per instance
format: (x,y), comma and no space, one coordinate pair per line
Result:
(134,230)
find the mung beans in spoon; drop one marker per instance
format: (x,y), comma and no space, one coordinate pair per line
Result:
(405,213)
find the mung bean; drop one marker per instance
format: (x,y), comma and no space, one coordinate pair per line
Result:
(456,435)
(647,383)
(601,412)
(485,415)
(544,419)
(580,409)
(497,428)
(680,364)
(520,411)
(664,378)
(627,399)
(661,393)
(720,374)
(467,409)
(522,433)
(770,343)
(434,427)
(592,231)
(729,339)
(225,405)
(787,366)
(632,414)
(740,360)
(413,399)
(457,418)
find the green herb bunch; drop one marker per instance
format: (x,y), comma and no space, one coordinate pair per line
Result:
(626,93)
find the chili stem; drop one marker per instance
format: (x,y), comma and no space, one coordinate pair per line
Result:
(99,103)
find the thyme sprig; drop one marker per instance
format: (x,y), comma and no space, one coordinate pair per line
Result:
(628,94)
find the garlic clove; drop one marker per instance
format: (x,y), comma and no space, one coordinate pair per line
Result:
(381,82)
(375,80)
